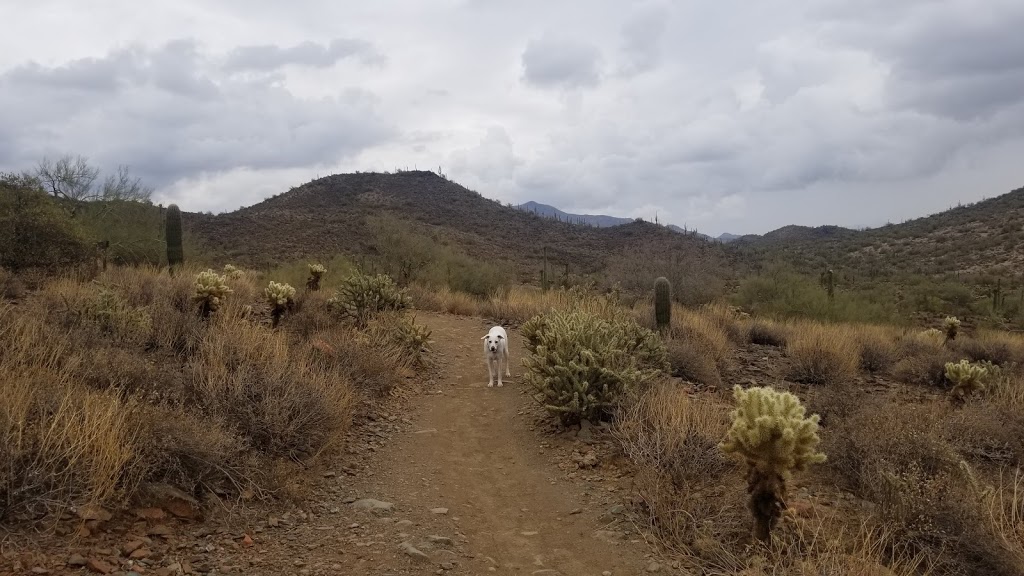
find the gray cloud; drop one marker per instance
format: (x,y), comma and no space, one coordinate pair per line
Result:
(551,62)
(728,116)
(166,113)
(270,57)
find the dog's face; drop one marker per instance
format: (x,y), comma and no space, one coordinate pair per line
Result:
(492,342)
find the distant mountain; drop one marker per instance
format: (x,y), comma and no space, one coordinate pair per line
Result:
(599,220)
(603,221)
(725,237)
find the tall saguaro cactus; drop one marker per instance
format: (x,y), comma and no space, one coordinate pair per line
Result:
(662,303)
(175,252)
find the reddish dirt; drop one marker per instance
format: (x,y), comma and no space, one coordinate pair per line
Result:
(477,479)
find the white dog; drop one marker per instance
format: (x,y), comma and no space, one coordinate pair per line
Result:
(495,351)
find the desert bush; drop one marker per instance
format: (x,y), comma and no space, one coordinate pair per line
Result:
(767,333)
(770,432)
(878,351)
(933,499)
(268,392)
(580,364)
(698,347)
(923,358)
(35,231)
(822,354)
(1000,348)
(360,297)
(373,367)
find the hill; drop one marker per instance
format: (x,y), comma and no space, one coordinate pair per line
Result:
(335,214)
(979,239)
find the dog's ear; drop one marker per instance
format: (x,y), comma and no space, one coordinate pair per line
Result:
(500,337)
(484,337)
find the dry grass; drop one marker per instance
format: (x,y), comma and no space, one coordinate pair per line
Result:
(922,359)
(118,382)
(1000,348)
(878,352)
(934,499)
(699,347)
(820,354)
(767,333)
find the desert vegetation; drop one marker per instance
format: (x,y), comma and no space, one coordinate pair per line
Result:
(777,418)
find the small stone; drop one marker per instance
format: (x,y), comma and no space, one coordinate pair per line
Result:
(528,533)
(330,474)
(617,510)
(413,552)
(447,566)
(39,570)
(76,560)
(371,504)
(403,523)
(94,513)
(273,522)
(99,566)
(160,530)
(440,540)
(132,547)
(654,567)
(140,554)
(247,541)
(606,573)
(151,513)
(439,510)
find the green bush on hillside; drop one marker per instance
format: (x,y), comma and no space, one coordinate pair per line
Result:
(34,230)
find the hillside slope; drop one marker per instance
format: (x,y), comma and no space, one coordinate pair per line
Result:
(329,215)
(983,238)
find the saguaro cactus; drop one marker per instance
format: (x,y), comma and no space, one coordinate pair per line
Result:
(830,284)
(662,303)
(175,252)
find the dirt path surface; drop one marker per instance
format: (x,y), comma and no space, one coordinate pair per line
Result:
(464,479)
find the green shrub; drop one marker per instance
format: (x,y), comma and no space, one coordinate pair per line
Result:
(362,296)
(580,363)
(34,230)
(399,329)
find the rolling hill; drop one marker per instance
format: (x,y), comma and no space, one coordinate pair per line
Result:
(981,239)
(331,215)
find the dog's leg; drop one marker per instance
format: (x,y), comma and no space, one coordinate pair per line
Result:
(504,352)
(490,372)
(498,362)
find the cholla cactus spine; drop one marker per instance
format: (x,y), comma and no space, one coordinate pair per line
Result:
(769,430)
(951,327)
(316,273)
(210,290)
(281,297)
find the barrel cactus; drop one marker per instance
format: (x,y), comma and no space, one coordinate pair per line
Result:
(175,251)
(769,431)
(662,303)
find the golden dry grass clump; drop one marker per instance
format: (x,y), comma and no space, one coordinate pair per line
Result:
(118,382)
(820,354)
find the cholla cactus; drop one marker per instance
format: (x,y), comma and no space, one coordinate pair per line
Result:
(580,363)
(210,290)
(951,326)
(281,298)
(232,271)
(933,335)
(967,378)
(316,272)
(770,432)
(362,296)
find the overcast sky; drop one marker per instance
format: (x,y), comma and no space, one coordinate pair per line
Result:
(725,115)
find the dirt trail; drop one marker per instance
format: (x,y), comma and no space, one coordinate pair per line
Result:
(464,481)
(474,451)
